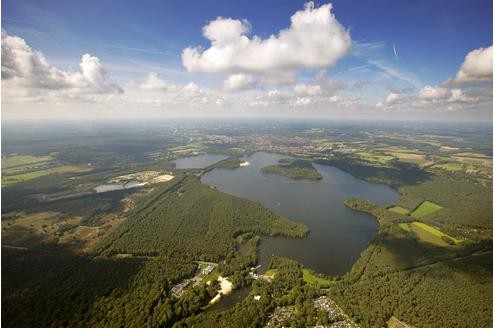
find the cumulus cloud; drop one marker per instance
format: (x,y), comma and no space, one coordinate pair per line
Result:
(192,88)
(390,100)
(321,90)
(302,101)
(477,66)
(307,89)
(154,83)
(435,94)
(432,93)
(24,67)
(237,82)
(334,99)
(315,39)
(158,91)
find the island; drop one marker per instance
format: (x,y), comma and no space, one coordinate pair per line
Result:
(294,169)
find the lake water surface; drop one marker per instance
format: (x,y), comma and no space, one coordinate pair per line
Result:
(337,234)
(118,186)
(198,161)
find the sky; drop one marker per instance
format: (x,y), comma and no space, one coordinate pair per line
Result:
(378,59)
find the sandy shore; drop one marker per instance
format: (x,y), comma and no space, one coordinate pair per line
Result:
(225,288)
(162,178)
(244,163)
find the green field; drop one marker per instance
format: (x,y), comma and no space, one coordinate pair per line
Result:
(11,179)
(399,210)
(449,166)
(429,234)
(412,158)
(375,158)
(405,226)
(211,276)
(11,161)
(425,208)
(311,278)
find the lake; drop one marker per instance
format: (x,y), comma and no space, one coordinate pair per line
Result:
(198,161)
(118,186)
(337,234)
(230,300)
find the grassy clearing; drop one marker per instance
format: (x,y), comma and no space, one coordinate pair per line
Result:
(271,273)
(449,166)
(405,226)
(399,210)
(412,158)
(477,155)
(425,208)
(11,161)
(11,179)
(432,235)
(26,168)
(375,158)
(310,277)
(211,276)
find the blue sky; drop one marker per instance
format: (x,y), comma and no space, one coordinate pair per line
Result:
(132,39)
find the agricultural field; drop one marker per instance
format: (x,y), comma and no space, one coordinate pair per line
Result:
(8,180)
(449,166)
(426,208)
(413,158)
(376,158)
(399,210)
(405,226)
(18,160)
(430,234)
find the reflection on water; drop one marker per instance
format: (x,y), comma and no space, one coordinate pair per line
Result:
(338,234)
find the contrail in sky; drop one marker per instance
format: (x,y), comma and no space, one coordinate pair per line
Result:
(395,51)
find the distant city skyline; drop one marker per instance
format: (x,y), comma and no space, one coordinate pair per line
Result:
(339,59)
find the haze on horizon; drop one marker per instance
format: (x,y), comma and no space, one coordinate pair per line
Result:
(375,60)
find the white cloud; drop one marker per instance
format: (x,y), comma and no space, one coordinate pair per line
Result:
(315,39)
(477,66)
(25,68)
(154,83)
(457,95)
(225,31)
(279,77)
(307,90)
(435,94)
(192,88)
(321,90)
(302,101)
(390,100)
(237,82)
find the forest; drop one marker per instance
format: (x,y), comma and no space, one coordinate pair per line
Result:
(181,222)
(294,169)
(125,279)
